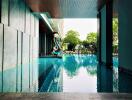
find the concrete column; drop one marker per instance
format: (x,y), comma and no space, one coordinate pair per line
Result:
(125,35)
(106,33)
(105,79)
(99,37)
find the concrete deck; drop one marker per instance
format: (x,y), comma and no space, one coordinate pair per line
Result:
(64,96)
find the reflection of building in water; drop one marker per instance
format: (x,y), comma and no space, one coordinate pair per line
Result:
(57,83)
(50,79)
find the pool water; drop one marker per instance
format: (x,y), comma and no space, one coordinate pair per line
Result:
(79,73)
(72,73)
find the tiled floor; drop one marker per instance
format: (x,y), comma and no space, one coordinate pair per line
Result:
(64,96)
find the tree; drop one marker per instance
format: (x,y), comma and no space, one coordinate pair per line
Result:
(91,37)
(115,35)
(85,43)
(115,31)
(72,37)
(91,42)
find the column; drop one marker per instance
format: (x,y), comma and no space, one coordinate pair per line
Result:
(106,33)
(125,35)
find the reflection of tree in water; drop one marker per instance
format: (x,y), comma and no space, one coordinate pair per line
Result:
(90,63)
(71,66)
(74,62)
(89,60)
(92,70)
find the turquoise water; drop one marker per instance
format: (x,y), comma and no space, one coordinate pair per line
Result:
(72,73)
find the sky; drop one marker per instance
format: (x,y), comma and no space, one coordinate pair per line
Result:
(83,26)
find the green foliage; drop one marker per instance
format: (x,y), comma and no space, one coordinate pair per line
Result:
(85,43)
(91,37)
(72,37)
(115,31)
(91,42)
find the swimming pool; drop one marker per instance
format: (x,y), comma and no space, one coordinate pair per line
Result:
(72,73)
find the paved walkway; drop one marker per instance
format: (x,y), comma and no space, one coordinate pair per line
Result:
(64,96)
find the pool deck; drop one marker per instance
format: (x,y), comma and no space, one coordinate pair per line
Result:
(65,96)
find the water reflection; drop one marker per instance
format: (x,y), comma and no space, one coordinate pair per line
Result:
(73,73)
(50,77)
(79,73)
(72,64)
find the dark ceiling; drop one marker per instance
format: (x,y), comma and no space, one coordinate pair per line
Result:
(67,8)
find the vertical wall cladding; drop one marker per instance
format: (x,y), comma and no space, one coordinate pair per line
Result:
(10,59)
(19,60)
(19,29)
(1,45)
(36,26)
(14,14)
(1,56)
(32,25)
(25,62)
(31,63)
(35,33)
(22,11)
(35,47)
(35,63)
(27,27)
(5,12)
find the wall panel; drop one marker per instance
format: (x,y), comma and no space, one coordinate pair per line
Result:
(22,12)
(10,59)
(1,45)
(32,24)
(1,52)
(10,47)
(5,12)
(19,60)
(27,27)
(14,14)
(31,64)
(25,63)
(36,27)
